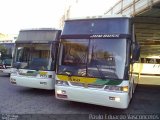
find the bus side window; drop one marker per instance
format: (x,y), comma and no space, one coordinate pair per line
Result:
(142,60)
(147,60)
(151,61)
(157,61)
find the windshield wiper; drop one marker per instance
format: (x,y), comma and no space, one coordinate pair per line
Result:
(100,73)
(110,75)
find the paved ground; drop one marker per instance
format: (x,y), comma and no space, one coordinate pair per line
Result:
(19,100)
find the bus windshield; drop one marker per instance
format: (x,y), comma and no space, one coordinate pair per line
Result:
(101,58)
(33,56)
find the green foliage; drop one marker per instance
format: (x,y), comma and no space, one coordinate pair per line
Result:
(3,49)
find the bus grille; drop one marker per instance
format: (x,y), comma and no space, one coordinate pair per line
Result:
(77,84)
(95,86)
(86,85)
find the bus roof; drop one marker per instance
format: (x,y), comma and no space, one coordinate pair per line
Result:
(99,17)
(35,29)
(116,25)
(38,35)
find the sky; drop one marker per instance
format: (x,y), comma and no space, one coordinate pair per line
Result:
(24,14)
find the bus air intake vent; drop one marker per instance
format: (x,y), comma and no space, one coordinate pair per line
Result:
(77,84)
(95,86)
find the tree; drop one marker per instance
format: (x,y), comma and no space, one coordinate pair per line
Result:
(3,51)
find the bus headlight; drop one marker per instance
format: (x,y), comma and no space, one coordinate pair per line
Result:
(113,88)
(125,88)
(62,83)
(117,88)
(61,94)
(13,81)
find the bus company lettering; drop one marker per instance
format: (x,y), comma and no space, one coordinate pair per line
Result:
(105,36)
(74,79)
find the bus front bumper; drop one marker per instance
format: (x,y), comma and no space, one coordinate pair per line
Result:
(7,71)
(93,96)
(32,82)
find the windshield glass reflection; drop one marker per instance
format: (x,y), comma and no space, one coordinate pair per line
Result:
(102,58)
(35,56)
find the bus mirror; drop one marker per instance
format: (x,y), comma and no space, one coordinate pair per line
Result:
(136,54)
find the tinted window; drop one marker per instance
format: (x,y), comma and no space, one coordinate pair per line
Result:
(150,60)
(103,58)
(102,26)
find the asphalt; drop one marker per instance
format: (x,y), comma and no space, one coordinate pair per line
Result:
(38,104)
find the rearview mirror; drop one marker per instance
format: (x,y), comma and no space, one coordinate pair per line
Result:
(136,53)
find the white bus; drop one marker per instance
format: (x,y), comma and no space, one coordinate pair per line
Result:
(95,63)
(148,69)
(6,57)
(35,58)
